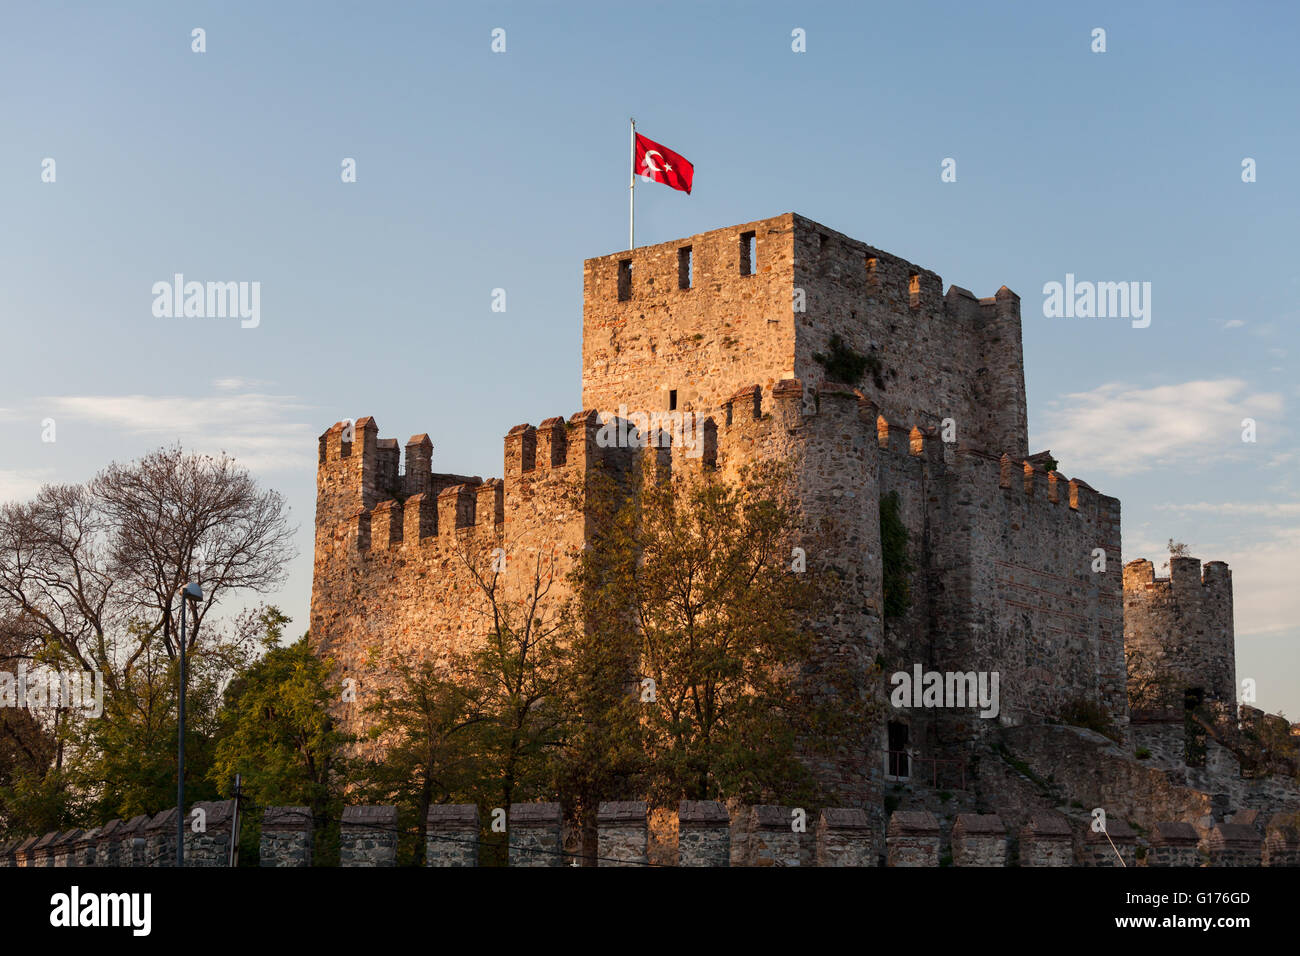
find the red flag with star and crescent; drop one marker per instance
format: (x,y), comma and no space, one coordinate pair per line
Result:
(662,165)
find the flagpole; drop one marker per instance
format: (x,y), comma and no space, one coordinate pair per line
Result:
(631,191)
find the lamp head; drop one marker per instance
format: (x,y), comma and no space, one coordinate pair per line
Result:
(192,591)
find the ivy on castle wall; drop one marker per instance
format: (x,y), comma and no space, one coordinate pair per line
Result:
(846,367)
(894,561)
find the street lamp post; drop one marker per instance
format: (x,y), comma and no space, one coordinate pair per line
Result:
(191,593)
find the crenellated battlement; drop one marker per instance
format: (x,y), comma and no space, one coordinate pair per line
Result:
(791,406)
(1049,486)
(1184,573)
(362,485)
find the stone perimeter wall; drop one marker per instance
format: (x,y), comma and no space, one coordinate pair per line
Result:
(758,836)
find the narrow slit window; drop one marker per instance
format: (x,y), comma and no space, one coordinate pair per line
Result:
(684,266)
(914,289)
(624,280)
(872,276)
(672,400)
(748,253)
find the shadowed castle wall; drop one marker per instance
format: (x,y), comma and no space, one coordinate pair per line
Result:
(1184,622)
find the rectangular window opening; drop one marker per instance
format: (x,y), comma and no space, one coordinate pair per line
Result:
(624,280)
(672,400)
(914,289)
(684,267)
(899,759)
(748,253)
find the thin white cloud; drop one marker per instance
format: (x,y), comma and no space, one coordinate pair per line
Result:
(263,432)
(236,384)
(19,484)
(1262,509)
(1123,429)
(1265,598)
(1234,323)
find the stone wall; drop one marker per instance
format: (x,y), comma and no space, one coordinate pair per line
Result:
(286,838)
(1233,844)
(931,356)
(913,839)
(934,356)
(725,332)
(159,836)
(622,829)
(368,836)
(209,844)
(703,834)
(395,553)
(767,836)
(1116,845)
(536,834)
(451,835)
(1095,771)
(1046,840)
(979,839)
(845,838)
(1029,603)
(1174,844)
(1184,623)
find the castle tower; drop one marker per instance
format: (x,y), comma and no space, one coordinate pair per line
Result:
(779,340)
(1183,624)
(684,324)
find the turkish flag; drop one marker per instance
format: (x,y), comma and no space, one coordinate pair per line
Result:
(661,164)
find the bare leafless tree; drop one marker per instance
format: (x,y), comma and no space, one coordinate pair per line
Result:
(92,571)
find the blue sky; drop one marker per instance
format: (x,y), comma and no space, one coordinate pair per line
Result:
(478,171)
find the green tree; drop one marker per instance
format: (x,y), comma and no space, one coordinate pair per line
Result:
(430,723)
(274,729)
(516,666)
(722,635)
(126,759)
(89,576)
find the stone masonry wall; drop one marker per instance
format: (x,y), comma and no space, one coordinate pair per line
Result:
(767,836)
(725,332)
(934,356)
(1032,607)
(1184,622)
(394,554)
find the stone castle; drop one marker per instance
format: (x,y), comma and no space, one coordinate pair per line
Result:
(1015,570)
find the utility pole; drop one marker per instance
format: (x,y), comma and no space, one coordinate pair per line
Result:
(189,594)
(234,826)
